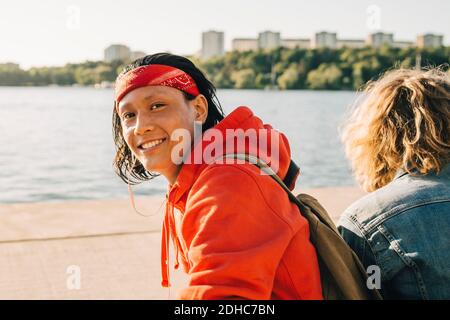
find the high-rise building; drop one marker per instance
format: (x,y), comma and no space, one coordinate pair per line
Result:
(212,44)
(10,65)
(296,43)
(269,40)
(324,40)
(379,39)
(117,52)
(350,43)
(402,44)
(244,44)
(430,41)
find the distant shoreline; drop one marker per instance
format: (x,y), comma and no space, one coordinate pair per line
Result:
(283,68)
(232,89)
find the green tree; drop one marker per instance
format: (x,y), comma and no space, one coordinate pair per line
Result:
(322,68)
(289,79)
(12,75)
(85,76)
(62,76)
(222,79)
(104,73)
(244,79)
(327,76)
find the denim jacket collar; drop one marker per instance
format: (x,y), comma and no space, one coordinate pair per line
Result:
(401,172)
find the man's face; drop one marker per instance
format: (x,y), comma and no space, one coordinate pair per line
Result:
(149,115)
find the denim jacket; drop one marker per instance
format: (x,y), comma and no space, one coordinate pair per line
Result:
(404,229)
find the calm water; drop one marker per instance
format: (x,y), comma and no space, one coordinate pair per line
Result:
(56,143)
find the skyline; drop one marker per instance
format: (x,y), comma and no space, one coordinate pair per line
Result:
(84,29)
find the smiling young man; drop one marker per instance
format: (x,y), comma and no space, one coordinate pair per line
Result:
(240,237)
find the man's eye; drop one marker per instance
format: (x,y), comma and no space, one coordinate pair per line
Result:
(127,115)
(156,106)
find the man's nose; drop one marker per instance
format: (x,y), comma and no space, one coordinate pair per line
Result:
(144,123)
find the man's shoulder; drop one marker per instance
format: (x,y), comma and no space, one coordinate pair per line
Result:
(400,196)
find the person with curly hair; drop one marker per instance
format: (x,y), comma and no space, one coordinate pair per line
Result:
(398,142)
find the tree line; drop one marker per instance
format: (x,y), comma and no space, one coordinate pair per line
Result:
(283,68)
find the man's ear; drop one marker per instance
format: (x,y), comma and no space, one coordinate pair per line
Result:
(200,105)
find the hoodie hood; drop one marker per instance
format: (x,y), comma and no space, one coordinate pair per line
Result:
(271,146)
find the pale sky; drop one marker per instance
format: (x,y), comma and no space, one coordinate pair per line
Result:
(54,32)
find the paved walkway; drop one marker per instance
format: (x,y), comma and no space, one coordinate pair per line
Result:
(43,246)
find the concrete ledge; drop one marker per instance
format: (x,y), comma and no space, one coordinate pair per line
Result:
(116,249)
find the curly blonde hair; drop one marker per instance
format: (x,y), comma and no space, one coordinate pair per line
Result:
(402,122)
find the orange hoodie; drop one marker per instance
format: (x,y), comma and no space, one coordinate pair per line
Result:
(240,237)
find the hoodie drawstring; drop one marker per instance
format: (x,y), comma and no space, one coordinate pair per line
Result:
(165,251)
(168,230)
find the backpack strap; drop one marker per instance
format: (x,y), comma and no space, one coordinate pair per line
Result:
(289,179)
(268,170)
(311,207)
(309,204)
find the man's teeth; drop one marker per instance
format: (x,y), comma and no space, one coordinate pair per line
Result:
(152,143)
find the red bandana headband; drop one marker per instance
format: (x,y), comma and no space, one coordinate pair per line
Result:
(154,75)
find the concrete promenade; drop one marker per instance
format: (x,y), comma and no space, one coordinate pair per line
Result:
(42,245)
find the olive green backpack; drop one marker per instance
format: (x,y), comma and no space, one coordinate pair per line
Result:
(342,274)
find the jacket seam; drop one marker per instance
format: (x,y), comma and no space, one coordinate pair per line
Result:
(394,212)
(299,297)
(406,260)
(366,242)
